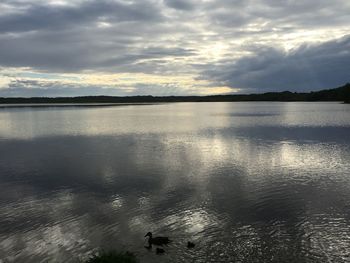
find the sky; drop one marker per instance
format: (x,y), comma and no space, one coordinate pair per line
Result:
(172,47)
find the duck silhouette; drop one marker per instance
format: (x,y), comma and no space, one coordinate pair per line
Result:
(190,244)
(158,241)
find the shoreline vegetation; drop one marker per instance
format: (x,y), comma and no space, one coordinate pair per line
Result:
(113,257)
(337,94)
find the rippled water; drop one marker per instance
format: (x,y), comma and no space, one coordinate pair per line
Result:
(247,182)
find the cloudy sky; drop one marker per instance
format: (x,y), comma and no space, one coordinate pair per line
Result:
(172,47)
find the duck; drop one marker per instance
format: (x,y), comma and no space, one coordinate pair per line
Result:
(190,244)
(158,241)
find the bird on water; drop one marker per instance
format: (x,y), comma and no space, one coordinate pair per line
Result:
(190,244)
(158,241)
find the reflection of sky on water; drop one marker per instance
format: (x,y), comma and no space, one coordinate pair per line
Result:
(177,118)
(245,185)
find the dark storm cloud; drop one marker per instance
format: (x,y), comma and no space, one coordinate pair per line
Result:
(307,68)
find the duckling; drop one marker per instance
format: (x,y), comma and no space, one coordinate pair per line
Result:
(158,241)
(190,244)
(159,251)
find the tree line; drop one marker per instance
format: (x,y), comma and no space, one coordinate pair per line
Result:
(337,94)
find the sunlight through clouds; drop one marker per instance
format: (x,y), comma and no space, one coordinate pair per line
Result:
(166,47)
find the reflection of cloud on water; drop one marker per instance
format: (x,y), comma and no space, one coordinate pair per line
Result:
(328,235)
(106,192)
(106,121)
(193,221)
(178,118)
(117,202)
(41,228)
(232,186)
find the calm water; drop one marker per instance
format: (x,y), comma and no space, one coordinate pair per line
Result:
(247,182)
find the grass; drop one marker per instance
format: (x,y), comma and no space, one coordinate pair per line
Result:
(113,257)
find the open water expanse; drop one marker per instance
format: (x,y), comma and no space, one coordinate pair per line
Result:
(246,182)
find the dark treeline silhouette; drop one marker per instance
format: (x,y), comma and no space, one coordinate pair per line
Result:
(337,94)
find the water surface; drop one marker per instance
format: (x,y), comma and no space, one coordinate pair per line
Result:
(247,182)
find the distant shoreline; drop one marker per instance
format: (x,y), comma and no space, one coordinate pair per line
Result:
(62,105)
(341,94)
(99,105)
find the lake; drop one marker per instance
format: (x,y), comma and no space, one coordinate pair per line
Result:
(246,182)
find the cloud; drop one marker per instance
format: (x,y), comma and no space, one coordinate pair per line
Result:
(68,52)
(37,88)
(51,17)
(309,67)
(180,4)
(52,85)
(167,37)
